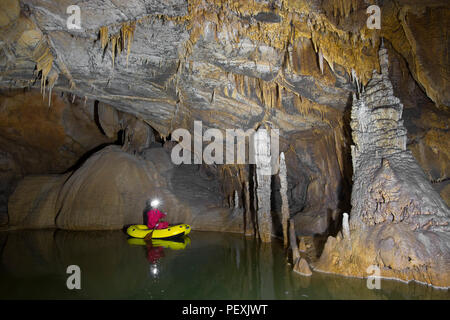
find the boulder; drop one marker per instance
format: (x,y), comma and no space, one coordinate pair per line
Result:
(302,267)
(107,192)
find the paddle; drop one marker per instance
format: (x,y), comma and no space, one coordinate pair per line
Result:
(150,234)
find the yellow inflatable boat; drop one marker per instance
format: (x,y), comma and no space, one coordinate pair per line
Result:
(140,231)
(174,245)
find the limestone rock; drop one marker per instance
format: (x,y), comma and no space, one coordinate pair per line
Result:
(427,124)
(263,180)
(107,192)
(398,221)
(36,139)
(110,190)
(302,245)
(33,203)
(310,223)
(302,267)
(9,174)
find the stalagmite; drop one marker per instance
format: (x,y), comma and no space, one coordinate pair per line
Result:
(249,225)
(302,267)
(293,241)
(236,200)
(345,226)
(284,199)
(397,220)
(263,183)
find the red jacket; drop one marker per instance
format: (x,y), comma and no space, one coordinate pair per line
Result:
(153,217)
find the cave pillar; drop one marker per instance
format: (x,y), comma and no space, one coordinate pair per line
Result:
(249,225)
(398,222)
(263,183)
(284,199)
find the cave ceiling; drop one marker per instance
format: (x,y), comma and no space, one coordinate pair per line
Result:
(232,64)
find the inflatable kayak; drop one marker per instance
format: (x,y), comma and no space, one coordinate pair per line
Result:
(140,231)
(174,245)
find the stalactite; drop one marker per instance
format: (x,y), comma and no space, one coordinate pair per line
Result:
(113,48)
(52,78)
(321,60)
(104,36)
(128,35)
(118,41)
(355,80)
(44,62)
(284,199)
(263,187)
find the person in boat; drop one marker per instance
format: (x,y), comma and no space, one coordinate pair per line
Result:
(154,217)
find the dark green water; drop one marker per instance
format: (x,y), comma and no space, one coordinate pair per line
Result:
(214,266)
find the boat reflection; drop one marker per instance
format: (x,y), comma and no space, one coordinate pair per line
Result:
(155,250)
(173,244)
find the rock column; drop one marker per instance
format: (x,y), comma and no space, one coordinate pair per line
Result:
(263,181)
(398,222)
(284,199)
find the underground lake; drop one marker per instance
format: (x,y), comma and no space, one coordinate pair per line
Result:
(209,265)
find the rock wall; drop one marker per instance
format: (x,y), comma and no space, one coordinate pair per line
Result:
(398,221)
(38,139)
(426,123)
(110,189)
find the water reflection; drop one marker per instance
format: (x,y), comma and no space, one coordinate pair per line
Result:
(155,250)
(207,266)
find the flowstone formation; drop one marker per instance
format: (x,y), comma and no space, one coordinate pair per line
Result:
(398,222)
